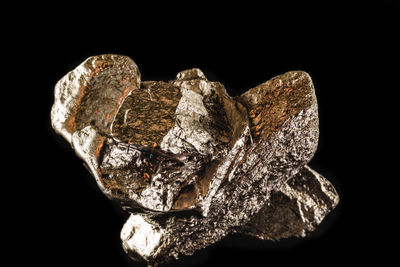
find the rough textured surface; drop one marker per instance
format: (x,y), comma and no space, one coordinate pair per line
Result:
(191,163)
(147,115)
(295,208)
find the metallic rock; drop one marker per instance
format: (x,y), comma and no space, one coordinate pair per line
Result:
(190,163)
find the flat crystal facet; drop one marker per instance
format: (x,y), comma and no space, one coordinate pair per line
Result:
(190,163)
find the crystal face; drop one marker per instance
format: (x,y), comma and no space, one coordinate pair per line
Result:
(191,163)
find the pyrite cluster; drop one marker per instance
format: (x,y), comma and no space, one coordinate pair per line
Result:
(191,163)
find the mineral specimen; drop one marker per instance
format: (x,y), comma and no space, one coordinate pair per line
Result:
(190,163)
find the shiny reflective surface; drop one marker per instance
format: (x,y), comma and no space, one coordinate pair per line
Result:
(190,163)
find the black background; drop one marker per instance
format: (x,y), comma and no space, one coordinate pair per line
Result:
(350,51)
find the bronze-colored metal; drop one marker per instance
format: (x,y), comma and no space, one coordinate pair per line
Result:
(190,163)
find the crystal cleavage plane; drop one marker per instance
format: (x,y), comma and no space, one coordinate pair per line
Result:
(190,163)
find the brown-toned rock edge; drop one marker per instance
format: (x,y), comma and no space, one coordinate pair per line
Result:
(92,93)
(270,104)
